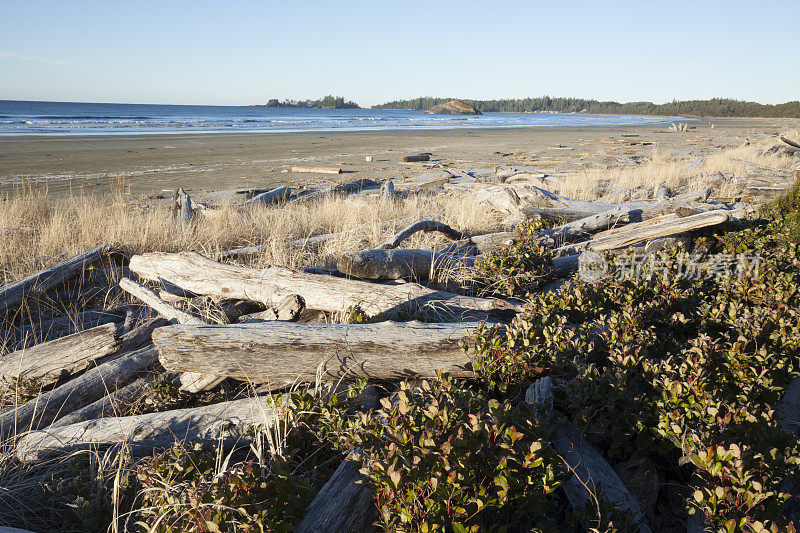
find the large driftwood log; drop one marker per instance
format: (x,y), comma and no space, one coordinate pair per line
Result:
(337,190)
(592,476)
(198,274)
(317,170)
(585,227)
(110,404)
(274,196)
(13,294)
(76,393)
(282,352)
(225,422)
(405,263)
(52,361)
(38,331)
(344,503)
(426,226)
(652,231)
(790,142)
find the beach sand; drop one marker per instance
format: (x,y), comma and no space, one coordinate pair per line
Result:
(155,163)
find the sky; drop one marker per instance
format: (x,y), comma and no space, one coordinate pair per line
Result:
(246,52)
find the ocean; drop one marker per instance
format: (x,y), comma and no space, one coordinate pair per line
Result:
(68,118)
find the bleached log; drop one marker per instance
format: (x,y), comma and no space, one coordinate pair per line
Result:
(287,310)
(482,244)
(225,422)
(583,228)
(317,170)
(152,300)
(182,209)
(76,393)
(13,294)
(274,196)
(193,272)
(337,190)
(284,352)
(344,503)
(405,263)
(52,361)
(110,404)
(426,226)
(39,331)
(387,193)
(643,234)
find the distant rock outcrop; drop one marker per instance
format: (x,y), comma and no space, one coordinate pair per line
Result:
(454,107)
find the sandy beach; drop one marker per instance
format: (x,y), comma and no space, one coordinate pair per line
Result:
(153,163)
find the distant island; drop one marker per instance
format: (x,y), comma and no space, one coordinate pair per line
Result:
(327,102)
(716,107)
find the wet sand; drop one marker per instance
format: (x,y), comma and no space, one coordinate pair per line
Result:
(154,163)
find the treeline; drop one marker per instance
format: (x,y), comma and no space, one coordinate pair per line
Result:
(716,107)
(328,102)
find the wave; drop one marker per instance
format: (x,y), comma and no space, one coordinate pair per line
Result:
(89,117)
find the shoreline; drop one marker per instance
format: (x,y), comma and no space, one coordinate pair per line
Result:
(211,161)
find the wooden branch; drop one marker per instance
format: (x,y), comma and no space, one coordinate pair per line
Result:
(275,196)
(55,360)
(198,274)
(423,225)
(225,422)
(110,404)
(13,294)
(284,352)
(344,503)
(638,235)
(152,300)
(76,393)
(405,263)
(337,190)
(317,170)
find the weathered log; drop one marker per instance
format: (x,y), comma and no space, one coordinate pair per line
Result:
(426,226)
(140,335)
(337,190)
(283,352)
(583,228)
(643,234)
(275,196)
(52,361)
(789,142)
(193,272)
(344,503)
(182,209)
(482,244)
(110,404)
(317,170)
(225,423)
(227,196)
(662,192)
(387,193)
(152,300)
(287,310)
(76,393)
(39,331)
(13,294)
(592,476)
(405,263)
(416,158)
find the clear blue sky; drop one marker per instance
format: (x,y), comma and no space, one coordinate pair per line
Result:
(244,52)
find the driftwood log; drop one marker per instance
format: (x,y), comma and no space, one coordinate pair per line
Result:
(337,190)
(287,310)
(110,404)
(76,393)
(426,226)
(281,352)
(651,231)
(416,158)
(317,170)
(274,196)
(39,331)
(225,422)
(198,274)
(405,263)
(55,360)
(13,294)
(344,503)
(183,210)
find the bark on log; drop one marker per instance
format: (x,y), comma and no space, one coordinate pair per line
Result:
(288,310)
(52,361)
(426,226)
(193,272)
(275,196)
(13,294)
(405,263)
(638,235)
(225,422)
(76,393)
(317,170)
(282,352)
(337,190)
(343,504)
(416,158)
(110,404)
